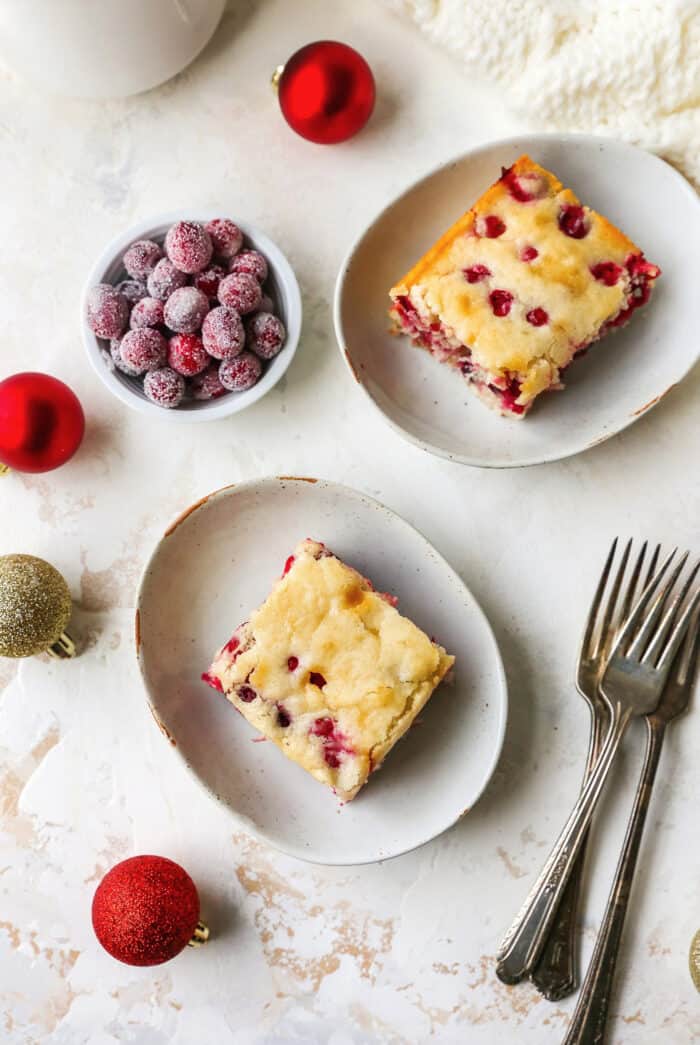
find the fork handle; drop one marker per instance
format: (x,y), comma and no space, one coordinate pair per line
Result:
(587,1026)
(555,975)
(523,943)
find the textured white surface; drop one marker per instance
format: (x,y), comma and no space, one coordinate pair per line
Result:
(400,952)
(606,66)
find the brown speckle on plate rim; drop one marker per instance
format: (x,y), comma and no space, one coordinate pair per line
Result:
(193,508)
(137,630)
(166,732)
(652,402)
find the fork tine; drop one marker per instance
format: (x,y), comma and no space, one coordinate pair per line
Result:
(689,654)
(604,635)
(670,616)
(637,613)
(586,643)
(678,633)
(648,628)
(652,564)
(634,580)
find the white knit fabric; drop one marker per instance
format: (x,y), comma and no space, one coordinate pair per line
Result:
(613,67)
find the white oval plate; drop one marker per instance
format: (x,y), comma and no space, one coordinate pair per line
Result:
(614,384)
(215,565)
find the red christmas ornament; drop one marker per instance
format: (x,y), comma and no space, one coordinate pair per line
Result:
(145,910)
(41,422)
(326,92)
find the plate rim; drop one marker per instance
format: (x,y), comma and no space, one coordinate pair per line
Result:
(243,821)
(511,140)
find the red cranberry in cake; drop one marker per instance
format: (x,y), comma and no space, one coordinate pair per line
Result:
(164,387)
(208,281)
(148,312)
(222,333)
(241,373)
(185,310)
(164,279)
(187,355)
(141,258)
(251,263)
(132,289)
(378,670)
(207,384)
(240,291)
(530,251)
(189,246)
(226,237)
(107,311)
(144,349)
(265,335)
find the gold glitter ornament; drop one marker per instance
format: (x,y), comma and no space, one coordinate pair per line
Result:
(35,606)
(695,959)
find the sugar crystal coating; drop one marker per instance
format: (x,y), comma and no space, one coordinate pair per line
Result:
(187,355)
(148,312)
(265,335)
(208,281)
(141,258)
(222,333)
(164,387)
(189,246)
(115,352)
(240,291)
(144,349)
(241,373)
(185,310)
(164,279)
(226,237)
(107,311)
(250,262)
(207,385)
(132,289)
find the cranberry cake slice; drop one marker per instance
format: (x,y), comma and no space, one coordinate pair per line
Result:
(329,670)
(521,284)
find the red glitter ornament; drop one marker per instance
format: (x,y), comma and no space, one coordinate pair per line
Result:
(326,92)
(145,910)
(41,422)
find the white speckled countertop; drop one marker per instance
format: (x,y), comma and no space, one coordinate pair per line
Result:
(400,952)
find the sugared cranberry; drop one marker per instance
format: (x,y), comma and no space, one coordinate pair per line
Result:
(213,681)
(524,187)
(144,349)
(208,281)
(222,333)
(141,258)
(226,237)
(288,565)
(475,273)
(606,272)
(107,311)
(537,317)
(529,253)
(148,312)
(187,355)
(132,289)
(572,221)
(292,663)
(265,335)
(185,310)
(283,716)
(164,387)
(322,727)
(241,373)
(240,291)
(501,301)
(247,694)
(489,226)
(250,262)
(317,679)
(164,279)
(189,246)
(266,304)
(207,385)
(115,351)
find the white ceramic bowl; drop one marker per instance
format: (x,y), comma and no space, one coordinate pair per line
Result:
(618,381)
(214,565)
(281,284)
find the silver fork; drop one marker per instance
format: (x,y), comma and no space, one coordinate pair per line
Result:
(632,685)
(587,1026)
(555,974)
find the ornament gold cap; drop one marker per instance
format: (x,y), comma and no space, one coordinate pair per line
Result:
(4,469)
(694,959)
(63,648)
(276,77)
(199,936)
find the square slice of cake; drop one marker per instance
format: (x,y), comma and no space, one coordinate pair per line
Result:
(521,284)
(329,670)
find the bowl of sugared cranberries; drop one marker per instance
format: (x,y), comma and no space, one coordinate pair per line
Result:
(191,318)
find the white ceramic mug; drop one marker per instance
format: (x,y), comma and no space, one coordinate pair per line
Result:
(104,48)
